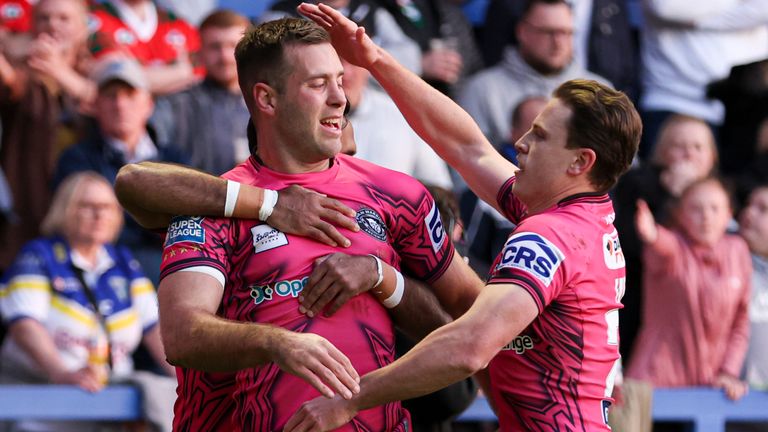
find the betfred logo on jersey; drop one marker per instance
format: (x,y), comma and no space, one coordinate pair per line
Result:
(265,238)
(532,254)
(435,226)
(185,229)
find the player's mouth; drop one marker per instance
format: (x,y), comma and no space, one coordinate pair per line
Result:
(332,124)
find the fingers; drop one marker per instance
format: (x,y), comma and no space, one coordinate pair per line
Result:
(325,229)
(310,377)
(343,369)
(298,422)
(316,293)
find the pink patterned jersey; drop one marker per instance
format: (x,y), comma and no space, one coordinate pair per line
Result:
(264,271)
(557,375)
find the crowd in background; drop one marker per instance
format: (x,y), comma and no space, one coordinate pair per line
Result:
(89,86)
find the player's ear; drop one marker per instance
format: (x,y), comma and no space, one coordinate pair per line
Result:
(264,97)
(583,161)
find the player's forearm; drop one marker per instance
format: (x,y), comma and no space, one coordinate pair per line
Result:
(451,132)
(206,342)
(419,312)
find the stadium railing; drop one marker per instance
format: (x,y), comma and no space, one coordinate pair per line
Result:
(707,409)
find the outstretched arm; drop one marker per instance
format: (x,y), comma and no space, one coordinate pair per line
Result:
(445,126)
(464,347)
(154,192)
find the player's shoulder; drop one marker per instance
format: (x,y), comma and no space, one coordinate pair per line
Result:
(243,173)
(384,178)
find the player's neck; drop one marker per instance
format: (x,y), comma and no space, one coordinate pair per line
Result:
(540,204)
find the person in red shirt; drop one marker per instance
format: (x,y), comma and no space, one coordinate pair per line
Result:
(162,42)
(16,15)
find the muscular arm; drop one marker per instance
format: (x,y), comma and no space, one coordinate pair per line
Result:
(447,128)
(464,347)
(154,192)
(195,337)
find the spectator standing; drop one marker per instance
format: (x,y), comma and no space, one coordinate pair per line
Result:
(395,146)
(76,305)
(686,48)
(41,102)
(160,41)
(697,279)
(119,136)
(542,60)
(685,152)
(208,121)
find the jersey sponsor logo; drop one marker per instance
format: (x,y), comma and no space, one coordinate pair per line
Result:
(371,223)
(175,38)
(124,37)
(292,288)
(93,23)
(119,286)
(436,229)
(265,238)
(185,229)
(11,11)
(614,256)
(519,344)
(533,254)
(606,405)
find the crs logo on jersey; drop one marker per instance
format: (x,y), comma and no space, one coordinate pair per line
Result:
(435,225)
(614,256)
(533,254)
(185,229)
(371,223)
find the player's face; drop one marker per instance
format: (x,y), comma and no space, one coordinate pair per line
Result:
(704,213)
(542,156)
(122,111)
(217,53)
(754,222)
(95,215)
(310,109)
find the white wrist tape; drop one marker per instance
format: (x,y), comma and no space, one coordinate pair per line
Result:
(397,295)
(379,271)
(270,200)
(233,190)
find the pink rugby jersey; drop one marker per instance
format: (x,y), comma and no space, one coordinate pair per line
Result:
(265,270)
(558,374)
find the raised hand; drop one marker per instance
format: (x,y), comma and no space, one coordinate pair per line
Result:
(315,360)
(307,213)
(349,40)
(321,414)
(645,223)
(337,278)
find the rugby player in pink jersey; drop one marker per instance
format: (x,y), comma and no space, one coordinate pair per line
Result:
(253,275)
(546,324)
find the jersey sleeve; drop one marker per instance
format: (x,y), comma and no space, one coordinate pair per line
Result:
(419,237)
(510,206)
(26,292)
(197,243)
(532,258)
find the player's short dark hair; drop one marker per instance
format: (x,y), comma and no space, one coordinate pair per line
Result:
(260,53)
(604,120)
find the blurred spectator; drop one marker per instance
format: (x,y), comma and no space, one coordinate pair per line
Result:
(541,62)
(16,15)
(449,52)
(395,146)
(685,152)
(487,229)
(754,229)
(604,40)
(685,48)
(208,122)
(120,136)
(76,305)
(378,23)
(755,172)
(697,279)
(41,97)
(163,43)
(192,11)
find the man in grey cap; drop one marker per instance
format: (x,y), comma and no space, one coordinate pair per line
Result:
(120,136)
